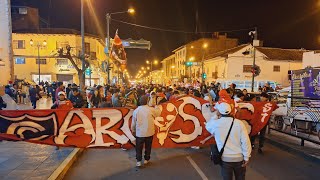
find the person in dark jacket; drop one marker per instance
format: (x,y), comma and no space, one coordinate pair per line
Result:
(2,103)
(33,96)
(9,91)
(77,99)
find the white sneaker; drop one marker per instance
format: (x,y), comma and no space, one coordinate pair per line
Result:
(138,164)
(195,147)
(145,162)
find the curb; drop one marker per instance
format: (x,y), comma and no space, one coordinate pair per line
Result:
(61,171)
(294,151)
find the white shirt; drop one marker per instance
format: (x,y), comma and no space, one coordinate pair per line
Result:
(143,120)
(238,146)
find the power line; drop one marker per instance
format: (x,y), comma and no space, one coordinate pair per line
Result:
(178,31)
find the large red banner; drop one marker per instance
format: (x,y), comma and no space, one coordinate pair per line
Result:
(181,124)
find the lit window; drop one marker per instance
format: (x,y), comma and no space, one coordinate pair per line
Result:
(20,60)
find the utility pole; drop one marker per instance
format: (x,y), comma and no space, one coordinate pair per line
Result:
(108,45)
(82,56)
(254,57)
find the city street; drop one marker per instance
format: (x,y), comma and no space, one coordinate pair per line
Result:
(187,163)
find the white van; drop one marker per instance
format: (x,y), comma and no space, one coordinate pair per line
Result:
(246,84)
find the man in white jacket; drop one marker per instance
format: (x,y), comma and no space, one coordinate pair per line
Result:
(237,150)
(143,126)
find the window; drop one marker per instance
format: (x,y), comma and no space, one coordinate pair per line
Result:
(276,68)
(87,48)
(42,61)
(62,61)
(18,44)
(93,55)
(247,68)
(20,60)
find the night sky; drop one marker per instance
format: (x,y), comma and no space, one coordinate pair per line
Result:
(280,23)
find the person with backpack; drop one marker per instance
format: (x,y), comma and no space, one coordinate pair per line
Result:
(233,147)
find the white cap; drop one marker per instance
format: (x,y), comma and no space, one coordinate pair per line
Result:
(223,108)
(61,93)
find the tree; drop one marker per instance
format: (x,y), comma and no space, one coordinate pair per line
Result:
(75,63)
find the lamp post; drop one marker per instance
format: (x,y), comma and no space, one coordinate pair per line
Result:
(204,46)
(38,45)
(172,67)
(82,56)
(108,18)
(155,62)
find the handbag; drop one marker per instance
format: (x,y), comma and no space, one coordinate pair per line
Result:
(216,155)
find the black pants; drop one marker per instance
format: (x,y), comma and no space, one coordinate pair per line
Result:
(230,168)
(262,137)
(147,142)
(34,104)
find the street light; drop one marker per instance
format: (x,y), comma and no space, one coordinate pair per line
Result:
(38,45)
(155,62)
(108,17)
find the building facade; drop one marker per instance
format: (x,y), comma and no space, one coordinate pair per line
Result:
(6,64)
(53,68)
(195,52)
(168,67)
(235,64)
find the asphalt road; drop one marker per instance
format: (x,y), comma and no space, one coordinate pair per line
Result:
(187,164)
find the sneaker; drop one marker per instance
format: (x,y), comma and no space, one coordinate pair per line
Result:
(145,162)
(138,164)
(195,147)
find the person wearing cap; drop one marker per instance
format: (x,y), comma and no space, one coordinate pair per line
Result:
(143,127)
(62,102)
(264,97)
(237,150)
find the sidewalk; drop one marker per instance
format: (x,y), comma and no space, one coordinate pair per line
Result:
(292,144)
(21,160)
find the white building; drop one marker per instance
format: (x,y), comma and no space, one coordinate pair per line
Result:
(236,64)
(311,58)
(6,63)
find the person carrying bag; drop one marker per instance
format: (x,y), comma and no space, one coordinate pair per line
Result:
(233,147)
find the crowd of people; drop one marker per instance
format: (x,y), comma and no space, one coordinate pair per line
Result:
(144,99)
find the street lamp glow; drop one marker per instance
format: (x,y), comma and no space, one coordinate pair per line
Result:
(191,58)
(147,62)
(144,71)
(131,11)
(172,67)
(142,68)
(155,62)
(148,67)
(44,43)
(31,42)
(205,45)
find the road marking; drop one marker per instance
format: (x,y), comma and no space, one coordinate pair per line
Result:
(196,167)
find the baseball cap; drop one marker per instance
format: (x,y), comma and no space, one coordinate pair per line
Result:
(223,108)
(61,93)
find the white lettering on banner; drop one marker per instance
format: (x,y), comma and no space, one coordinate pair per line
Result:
(186,117)
(86,125)
(266,108)
(114,116)
(125,128)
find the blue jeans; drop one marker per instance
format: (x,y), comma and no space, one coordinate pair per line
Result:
(230,168)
